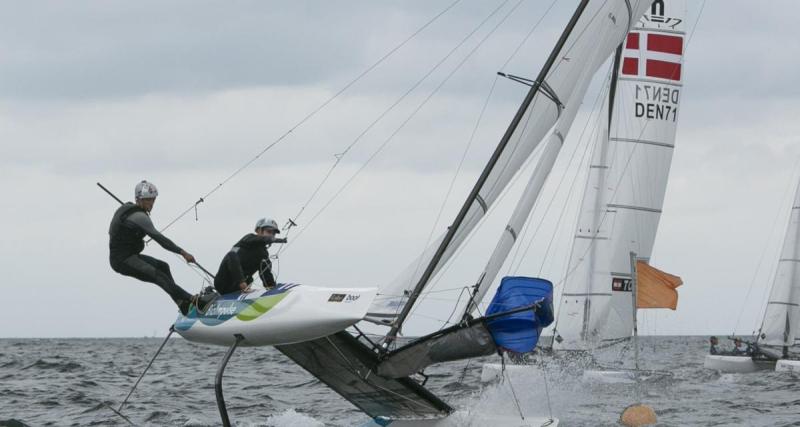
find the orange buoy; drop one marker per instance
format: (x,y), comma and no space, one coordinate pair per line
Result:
(638,415)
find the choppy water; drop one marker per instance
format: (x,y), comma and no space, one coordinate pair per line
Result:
(67,382)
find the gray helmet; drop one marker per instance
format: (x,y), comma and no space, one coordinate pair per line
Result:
(145,190)
(268,223)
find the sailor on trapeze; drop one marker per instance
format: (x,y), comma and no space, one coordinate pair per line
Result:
(129,226)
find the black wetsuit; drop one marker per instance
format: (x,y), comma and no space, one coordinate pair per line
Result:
(247,257)
(129,226)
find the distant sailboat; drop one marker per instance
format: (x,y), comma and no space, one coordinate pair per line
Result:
(776,344)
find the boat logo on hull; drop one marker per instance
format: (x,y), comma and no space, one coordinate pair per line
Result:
(344,297)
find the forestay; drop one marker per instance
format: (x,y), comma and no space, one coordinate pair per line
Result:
(627,179)
(599,29)
(782,317)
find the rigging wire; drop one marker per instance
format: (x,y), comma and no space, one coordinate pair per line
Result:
(339,156)
(477,124)
(546,384)
(511,387)
(416,110)
(313,112)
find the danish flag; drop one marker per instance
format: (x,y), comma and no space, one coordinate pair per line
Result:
(653,55)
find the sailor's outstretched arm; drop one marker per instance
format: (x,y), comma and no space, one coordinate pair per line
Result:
(141,220)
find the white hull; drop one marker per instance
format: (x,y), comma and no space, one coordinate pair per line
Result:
(285,315)
(470,419)
(609,377)
(493,372)
(734,364)
(792,366)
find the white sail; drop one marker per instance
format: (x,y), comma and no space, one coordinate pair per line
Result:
(627,181)
(600,28)
(531,193)
(782,318)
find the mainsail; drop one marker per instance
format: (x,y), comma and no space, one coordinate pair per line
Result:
(782,317)
(627,179)
(595,30)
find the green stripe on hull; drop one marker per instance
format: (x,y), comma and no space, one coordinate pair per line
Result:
(260,306)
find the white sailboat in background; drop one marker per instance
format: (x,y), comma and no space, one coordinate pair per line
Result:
(624,194)
(625,191)
(779,333)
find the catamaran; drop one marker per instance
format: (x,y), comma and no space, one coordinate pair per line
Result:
(320,328)
(609,276)
(776,343)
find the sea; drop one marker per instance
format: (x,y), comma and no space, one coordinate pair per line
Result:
(72,382)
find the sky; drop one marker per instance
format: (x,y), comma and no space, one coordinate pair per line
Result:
(184,93)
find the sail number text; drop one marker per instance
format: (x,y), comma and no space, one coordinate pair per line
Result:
(657,102)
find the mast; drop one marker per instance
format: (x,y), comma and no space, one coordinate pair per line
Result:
(473,195)
(635,327)
(612,91)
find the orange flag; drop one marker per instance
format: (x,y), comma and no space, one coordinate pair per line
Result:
(655,288)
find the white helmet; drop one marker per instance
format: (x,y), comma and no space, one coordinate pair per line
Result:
(145,190)
(268,223)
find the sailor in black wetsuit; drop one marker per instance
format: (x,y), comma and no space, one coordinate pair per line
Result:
(129,226)
(248,256)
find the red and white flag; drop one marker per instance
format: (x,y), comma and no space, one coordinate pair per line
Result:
(653,55)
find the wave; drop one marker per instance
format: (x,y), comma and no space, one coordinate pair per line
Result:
(59,366)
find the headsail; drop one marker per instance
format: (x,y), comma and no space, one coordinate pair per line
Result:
(627,180)
(782,317)
(529,196)
(595,30)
